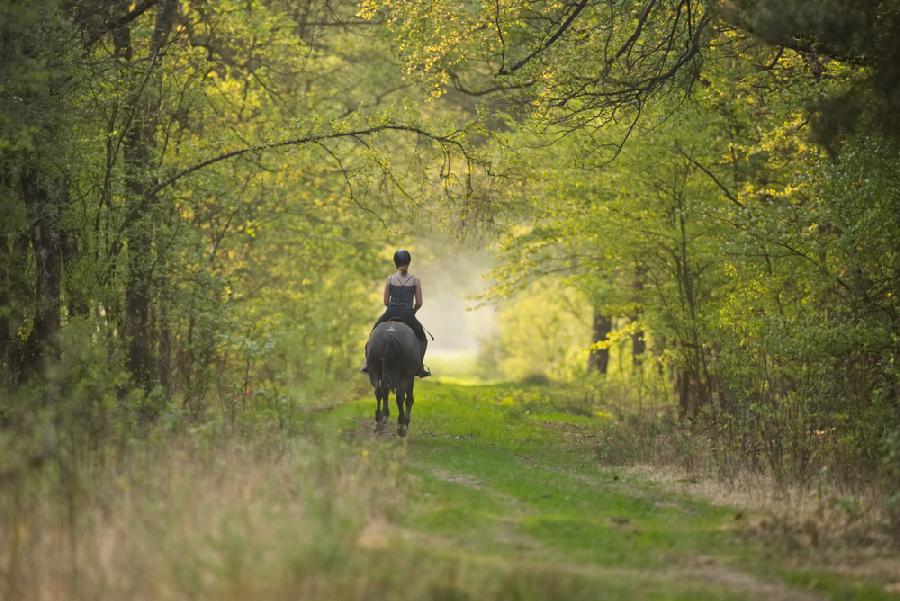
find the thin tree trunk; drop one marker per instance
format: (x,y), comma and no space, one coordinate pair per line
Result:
(6,305)
(76,303)
(599,357)
(638,343)
(20,297)
(638,346)
(166,379)
(43,208)
(140,142)
(694,384)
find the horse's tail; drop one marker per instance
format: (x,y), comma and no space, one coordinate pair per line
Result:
(391,360)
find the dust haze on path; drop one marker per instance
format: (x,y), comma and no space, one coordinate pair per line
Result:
(452,274)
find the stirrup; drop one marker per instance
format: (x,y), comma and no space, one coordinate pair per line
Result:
(424,372)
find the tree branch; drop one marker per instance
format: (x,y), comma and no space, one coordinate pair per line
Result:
(550,41)
(711,176)
(117,22)
(458,85)
(311,138)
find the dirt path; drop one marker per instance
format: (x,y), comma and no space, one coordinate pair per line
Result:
(503,496)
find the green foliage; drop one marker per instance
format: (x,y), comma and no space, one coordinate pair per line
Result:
(210,209)
(759,263)
(197,198)
(541,334)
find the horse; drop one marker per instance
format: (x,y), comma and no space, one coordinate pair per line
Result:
(393,355)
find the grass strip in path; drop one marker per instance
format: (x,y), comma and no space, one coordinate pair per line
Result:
(510,508)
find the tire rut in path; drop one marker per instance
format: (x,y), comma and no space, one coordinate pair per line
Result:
(700,569)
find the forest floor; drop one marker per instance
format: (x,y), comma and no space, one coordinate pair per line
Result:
(506,499)
(497,492)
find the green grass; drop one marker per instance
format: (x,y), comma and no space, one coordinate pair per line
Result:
(502,488)
(495,494)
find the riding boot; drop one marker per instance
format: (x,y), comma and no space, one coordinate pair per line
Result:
(365,366)
(423,372)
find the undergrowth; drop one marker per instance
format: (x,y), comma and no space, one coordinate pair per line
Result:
(805,505)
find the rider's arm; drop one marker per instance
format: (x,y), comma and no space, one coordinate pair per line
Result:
(387,292)
(418,304)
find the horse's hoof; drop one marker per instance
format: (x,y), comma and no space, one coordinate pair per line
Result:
(401,430)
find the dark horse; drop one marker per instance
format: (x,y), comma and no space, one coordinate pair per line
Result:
(393,356)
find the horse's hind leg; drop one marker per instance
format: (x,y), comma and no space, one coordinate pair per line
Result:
(405,408)
(401,419)
(381,407)
(409,401)
(377,404)
(377,410)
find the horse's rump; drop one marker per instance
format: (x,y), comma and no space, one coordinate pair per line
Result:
(392,354)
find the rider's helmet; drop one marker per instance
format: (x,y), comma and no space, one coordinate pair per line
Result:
(402,257)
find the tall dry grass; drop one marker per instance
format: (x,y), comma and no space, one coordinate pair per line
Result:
(184,519)
(218,518)
(818,513)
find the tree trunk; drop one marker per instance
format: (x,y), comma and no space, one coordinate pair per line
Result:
(140,142)
(76,302)
(20,295)
(43,204)
(6,306)
(682,389)
(166,379)
(659,348)
(694,383)
(638,346)
(599,357)
(638,343)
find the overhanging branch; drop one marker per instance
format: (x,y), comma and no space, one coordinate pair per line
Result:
(120,21)
(309,139)
(550,41)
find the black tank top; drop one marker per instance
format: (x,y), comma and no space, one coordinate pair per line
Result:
(402,295)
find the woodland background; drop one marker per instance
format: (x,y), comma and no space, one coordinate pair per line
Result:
(692,209)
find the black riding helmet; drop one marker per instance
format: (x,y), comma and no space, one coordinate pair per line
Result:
(402,257)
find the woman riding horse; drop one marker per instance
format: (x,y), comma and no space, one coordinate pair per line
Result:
(403,297)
